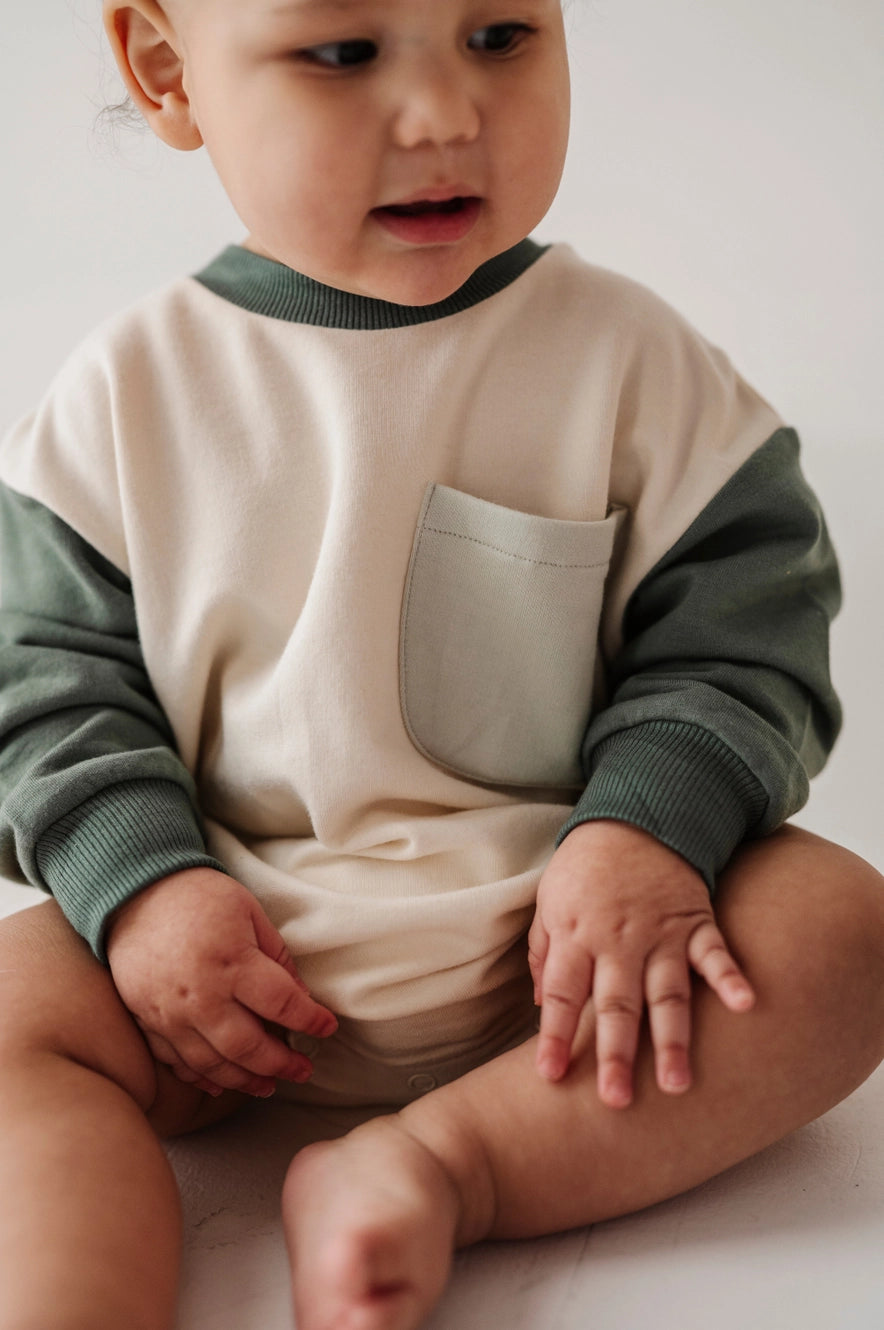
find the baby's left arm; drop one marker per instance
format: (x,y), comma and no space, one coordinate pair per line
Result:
(720,707)
(622,919)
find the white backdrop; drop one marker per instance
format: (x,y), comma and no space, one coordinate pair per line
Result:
(726,152)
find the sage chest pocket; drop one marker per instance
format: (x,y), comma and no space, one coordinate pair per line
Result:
(498,638)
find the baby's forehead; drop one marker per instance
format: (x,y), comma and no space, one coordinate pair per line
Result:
(249,19)
(282,9)
(292,8)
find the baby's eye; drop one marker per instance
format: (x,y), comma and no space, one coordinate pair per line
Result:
(340,55)
(499,38)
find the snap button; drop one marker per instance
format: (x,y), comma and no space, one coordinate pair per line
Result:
(422,1081)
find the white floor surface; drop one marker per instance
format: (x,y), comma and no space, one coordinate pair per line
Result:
(792,1240)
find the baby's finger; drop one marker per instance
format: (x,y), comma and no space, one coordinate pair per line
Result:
(538,946)
(668,994)
(225,1076)
(163,1052)
(240,1041)
(276,991)
(272,943)
(708,954)
(192,1050)
(188,1077)
(269,990)
(617,994)
(567,980)
(208,1087)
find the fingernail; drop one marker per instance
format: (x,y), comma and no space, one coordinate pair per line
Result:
(617,1096)
(265,1094)
(548,1067)
(675,1082)
(741,994)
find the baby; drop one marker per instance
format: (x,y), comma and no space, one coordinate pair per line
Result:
(406,628)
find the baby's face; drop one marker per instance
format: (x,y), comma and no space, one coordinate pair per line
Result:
(386,147)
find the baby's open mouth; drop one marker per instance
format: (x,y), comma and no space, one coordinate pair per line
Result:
(430,221)
(422,206)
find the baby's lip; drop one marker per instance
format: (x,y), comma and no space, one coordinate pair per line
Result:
(438,194)
(443,220)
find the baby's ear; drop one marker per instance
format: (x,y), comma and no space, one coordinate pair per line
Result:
(147,50)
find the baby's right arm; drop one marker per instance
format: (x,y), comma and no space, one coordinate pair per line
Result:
(95,803)
(97,807)
(201,968)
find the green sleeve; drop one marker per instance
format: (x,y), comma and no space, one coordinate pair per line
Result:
(721,706)
(95,804)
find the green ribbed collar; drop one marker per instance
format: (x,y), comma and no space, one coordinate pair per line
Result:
(266,287)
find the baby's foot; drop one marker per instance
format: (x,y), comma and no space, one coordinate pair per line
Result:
(370,1222)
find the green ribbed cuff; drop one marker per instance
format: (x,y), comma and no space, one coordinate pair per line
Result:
(679,782)
(115,844)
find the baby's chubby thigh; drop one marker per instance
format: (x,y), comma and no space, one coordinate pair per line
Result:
(61,1009)
(81,1104)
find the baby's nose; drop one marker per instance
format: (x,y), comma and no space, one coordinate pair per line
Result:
(435,107)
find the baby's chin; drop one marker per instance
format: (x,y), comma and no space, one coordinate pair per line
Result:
(417,277)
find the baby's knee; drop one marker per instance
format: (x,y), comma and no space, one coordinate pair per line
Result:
(813,913)
(859,910)
(842,899)
(856,954)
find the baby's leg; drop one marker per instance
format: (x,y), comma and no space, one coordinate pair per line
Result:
(89,1222)
(372,1219)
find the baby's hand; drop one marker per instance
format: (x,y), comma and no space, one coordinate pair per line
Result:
(622,919)
(201,968)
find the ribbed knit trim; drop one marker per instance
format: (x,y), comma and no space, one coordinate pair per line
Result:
(679,782)
(115,844)
(264,286)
